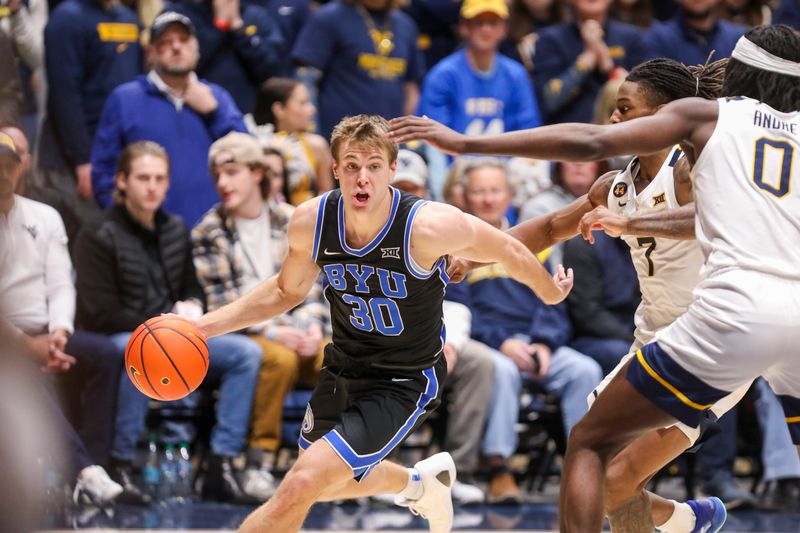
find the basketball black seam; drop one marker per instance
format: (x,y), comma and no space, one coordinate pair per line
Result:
(144,370)
(168,357)
(205,362)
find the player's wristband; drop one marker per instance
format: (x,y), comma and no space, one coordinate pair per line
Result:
(222,25)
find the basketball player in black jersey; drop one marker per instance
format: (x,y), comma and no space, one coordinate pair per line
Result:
(383,256)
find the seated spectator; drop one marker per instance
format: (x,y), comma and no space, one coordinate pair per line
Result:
(476,90)
(603,299)
(693,33)
(530,337)
(527,19)
(470,366)
(37,278)
(238,244)
(171,107)
(569,181)
(134,263)
(282,118)
(574,59)
(28,186)
(241,45)
(365,57)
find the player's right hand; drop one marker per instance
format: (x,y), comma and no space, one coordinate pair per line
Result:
(411,128)
(458,268)
(564,280)
(602,218)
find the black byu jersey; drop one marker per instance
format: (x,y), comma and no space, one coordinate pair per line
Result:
(386,310)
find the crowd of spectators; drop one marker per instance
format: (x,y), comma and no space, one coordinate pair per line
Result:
(152,153)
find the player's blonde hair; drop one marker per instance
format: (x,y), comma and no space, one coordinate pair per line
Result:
(370,131)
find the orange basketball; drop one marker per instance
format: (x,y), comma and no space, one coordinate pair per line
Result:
(166,358)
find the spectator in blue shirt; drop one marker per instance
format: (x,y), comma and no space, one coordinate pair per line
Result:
(91,46)
(574,59)
(692,34)
(241,45)
(176,110)
(366,55)
(476,90)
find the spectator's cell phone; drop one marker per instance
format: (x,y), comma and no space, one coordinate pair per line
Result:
(536,363)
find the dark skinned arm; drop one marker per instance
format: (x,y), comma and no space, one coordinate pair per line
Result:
(544,231)
(667,223)
(689,121)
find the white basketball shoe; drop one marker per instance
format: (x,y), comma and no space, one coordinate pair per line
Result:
(437,473)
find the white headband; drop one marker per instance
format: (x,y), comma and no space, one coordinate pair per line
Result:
(751,54)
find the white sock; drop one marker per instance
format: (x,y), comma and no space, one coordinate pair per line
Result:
(681,520)
(413,490)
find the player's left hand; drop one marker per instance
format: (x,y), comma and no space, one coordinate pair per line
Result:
(564,280)
(411,128)
(602,218)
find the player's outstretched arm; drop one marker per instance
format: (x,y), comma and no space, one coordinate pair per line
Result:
(278,294)
(670,223)
(677,122)
(441,229)
(544,231)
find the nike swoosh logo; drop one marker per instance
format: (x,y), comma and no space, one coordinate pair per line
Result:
(326,252)
(621,204)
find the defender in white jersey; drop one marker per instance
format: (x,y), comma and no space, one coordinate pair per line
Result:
(649,204)
(743,320)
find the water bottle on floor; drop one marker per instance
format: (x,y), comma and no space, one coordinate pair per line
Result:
(151,475)
(184,477)
(169,473)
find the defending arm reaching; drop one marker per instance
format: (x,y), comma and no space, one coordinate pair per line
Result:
(688,122)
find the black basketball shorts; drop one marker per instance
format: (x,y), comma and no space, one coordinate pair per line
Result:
(364,415)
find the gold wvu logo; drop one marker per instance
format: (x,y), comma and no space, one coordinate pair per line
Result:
(659,199)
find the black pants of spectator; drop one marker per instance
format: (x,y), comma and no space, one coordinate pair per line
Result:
(89,391)
(70,456)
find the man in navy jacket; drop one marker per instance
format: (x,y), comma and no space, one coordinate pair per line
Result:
(91,46)
(173,108)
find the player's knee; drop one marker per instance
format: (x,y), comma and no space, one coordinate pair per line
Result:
(589,436)
(300,485)
(623,481)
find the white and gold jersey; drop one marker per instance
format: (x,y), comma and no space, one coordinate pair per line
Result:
(668,269)
(747,190)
